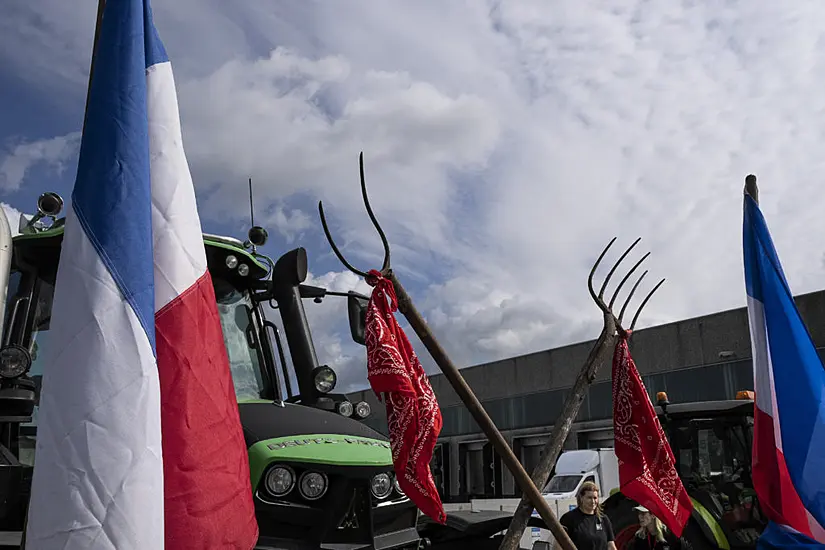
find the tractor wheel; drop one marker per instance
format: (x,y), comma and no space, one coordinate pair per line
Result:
(625,522)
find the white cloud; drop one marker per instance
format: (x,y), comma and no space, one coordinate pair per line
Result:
(505,142)
(55,153)
(298,124)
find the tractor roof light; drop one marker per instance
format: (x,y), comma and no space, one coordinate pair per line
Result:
(362,409)
(15,361)
(744,395)
(50,204)
(661,397)
(345,408)
(324,379)
(257,235)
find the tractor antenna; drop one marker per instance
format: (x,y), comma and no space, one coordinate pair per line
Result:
(251,214)
(251,206)
(257,235)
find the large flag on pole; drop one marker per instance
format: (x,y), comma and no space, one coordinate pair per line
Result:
(139,439)
(789,388)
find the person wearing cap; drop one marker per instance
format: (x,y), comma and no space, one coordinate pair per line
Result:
(587,526)
(653,535)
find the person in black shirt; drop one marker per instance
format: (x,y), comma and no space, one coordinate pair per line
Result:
(653,535)
(587,526)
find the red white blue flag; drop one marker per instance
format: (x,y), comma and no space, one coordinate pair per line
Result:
(789,388)
(139,441)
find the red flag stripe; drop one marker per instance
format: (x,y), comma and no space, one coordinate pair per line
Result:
(207,488)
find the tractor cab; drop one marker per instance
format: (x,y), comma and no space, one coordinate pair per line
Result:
(320,475)
(711,442)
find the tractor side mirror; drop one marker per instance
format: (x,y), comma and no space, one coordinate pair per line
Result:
(357,310)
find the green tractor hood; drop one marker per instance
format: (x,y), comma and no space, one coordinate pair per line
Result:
(296,433)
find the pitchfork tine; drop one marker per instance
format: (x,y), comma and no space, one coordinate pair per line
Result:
(644,302)
(386,265)
(629,296)
(615,266)
(593,272)
(623,281)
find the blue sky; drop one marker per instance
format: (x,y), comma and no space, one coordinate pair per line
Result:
(505,142)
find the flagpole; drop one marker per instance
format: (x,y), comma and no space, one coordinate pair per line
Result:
(751,189)
(101,6)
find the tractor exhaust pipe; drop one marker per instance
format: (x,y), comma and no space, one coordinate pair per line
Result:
(289,272)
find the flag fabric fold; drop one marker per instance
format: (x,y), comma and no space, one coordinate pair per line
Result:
(413,415)
(647,471)
(780,537)
(139,442)
(789,393)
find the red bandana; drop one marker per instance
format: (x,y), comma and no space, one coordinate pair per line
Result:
(413,415)
(647,471)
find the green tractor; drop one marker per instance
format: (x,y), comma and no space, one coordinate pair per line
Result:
(321,478)
(711,443)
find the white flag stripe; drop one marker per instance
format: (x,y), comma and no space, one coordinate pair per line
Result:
(86,408)
(180,258)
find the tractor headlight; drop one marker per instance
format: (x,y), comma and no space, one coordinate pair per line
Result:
(312,485)
(345,408)
(363,409)
(14,361)
(231,261)
(324,379)
(243,270)
(380,486)
(397,485)
(280,480)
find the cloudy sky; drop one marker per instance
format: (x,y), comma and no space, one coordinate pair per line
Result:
(505,143)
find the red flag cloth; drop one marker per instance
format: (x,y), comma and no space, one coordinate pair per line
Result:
(647,471)
(207,487)
(413,415)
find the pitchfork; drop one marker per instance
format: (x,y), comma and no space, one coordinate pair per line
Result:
(604,344)
(406,307)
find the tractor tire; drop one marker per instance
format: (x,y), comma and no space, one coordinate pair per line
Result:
(625,523)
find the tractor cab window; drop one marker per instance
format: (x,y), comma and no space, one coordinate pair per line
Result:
(713,459)
(241,336)
(709,451)
(234,308)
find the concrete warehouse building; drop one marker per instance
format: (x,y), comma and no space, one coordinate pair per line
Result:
(700,359)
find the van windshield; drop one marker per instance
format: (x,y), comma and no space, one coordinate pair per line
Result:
(563,484)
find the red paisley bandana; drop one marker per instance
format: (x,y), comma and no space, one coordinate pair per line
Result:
(647,471)
(413,415)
